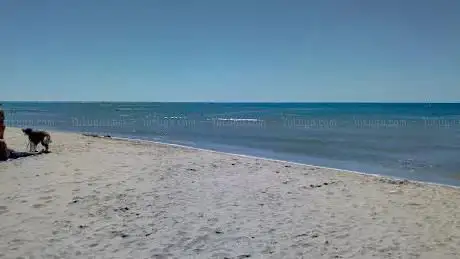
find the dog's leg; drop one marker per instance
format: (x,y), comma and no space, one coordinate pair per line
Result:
(33,147)
(45,144)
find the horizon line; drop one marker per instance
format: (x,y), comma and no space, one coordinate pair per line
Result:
(235,102)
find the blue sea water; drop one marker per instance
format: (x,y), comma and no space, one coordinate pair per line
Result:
(419,141)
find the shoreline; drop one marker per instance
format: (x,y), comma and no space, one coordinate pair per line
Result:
(377,175)
(280,161)
(263,158)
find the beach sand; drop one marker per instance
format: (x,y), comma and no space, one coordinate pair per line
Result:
(105,198)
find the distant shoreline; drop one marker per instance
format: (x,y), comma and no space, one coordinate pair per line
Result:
(229,102)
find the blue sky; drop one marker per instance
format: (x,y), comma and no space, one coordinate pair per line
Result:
(230,50)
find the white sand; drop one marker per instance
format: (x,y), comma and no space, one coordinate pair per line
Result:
(102,198)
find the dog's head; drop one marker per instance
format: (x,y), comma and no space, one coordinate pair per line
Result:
(27,131)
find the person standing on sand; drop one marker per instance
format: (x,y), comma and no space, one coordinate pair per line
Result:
(2,123)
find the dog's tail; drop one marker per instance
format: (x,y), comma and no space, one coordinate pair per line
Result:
(47,140)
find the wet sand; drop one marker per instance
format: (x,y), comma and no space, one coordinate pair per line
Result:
(106,198)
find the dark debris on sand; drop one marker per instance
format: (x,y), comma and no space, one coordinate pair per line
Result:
(239,256)
(321,185)
(75,199)
(120,234)
(394,181)
(96,136)
(124,209)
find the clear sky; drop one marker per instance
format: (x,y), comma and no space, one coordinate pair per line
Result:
(230,50)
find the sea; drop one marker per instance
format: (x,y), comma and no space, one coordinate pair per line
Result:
(416,141)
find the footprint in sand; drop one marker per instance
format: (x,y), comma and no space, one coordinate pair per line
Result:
(38,205)
(223,253)
(16,242)
(212,221)
(3,209)
(46,198)
(67,163)
(228,253)
(161,256)
(205,229)
(198,242)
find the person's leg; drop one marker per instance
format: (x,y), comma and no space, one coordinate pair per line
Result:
(2,124)
(2,130)
(4,152)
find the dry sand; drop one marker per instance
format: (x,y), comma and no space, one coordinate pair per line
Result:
(105,198)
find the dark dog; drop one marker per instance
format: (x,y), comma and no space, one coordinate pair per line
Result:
(37,137)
